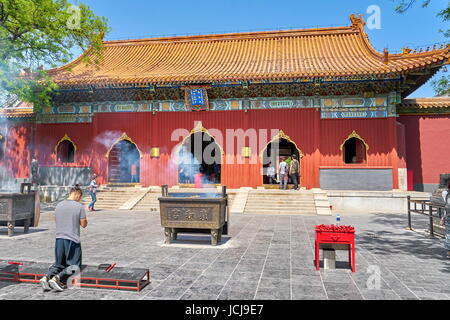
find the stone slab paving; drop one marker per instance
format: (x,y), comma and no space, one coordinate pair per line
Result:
(266,257)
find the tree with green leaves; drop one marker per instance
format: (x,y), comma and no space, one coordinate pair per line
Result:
(441,85)
(38,34)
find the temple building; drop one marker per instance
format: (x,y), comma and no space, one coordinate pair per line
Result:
(325,95)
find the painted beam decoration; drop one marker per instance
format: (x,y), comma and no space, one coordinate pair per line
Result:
(196,98)
(354,107)
(332,107)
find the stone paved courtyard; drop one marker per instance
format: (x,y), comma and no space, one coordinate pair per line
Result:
(266,257)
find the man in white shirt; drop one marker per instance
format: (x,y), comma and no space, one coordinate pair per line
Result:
(271,173)
(283,173)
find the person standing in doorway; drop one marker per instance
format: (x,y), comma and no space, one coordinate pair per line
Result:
(271,173)
(198,179)
(34,166)
(134,178)
(93,192)
(294,171)
(283,174)
(69,216)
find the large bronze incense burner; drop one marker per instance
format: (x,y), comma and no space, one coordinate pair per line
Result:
(436,197)
(19,209)
(194,213)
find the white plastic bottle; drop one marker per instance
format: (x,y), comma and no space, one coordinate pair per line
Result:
(338,220)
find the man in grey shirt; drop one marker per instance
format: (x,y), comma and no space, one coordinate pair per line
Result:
(69,216)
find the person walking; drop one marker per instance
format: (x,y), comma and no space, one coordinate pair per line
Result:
(93,193)
(69,216)
(283,174)
(294,171)
(446,219)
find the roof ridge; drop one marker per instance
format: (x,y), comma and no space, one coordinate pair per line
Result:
(240,35)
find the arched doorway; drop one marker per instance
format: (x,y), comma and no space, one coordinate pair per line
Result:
(280,147)
(199,154)
(354,149)
(124,163)
(66,152)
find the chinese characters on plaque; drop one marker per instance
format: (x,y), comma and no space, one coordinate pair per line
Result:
(196,98)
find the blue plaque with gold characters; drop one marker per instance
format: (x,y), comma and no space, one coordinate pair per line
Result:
(196,98)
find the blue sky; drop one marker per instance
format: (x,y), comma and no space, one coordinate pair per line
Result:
(147,18)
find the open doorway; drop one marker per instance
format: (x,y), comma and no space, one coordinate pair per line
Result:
(124,163)
(354,151)
(199,155)
(275,151)
(66,152)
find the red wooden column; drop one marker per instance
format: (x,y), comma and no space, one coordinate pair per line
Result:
(392,129)
(316,158)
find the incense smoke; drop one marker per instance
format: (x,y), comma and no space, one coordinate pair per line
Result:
(107,138)
(188,166)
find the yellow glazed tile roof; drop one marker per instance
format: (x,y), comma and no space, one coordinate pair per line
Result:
(273,55)
(424,104)
(21,110)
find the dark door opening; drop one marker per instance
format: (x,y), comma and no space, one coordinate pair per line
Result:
(272,156)
(354,151)
(66,152)
(199,154)
(124,163)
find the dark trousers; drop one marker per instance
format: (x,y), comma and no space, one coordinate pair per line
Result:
(67,254)
(294,177)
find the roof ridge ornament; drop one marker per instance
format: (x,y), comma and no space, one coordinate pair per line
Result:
(357,22)
(385,56)
(406,51)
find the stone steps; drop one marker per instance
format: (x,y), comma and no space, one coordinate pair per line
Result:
(244,201)
(280,202)
(281,212)
(111,199)
(150,201)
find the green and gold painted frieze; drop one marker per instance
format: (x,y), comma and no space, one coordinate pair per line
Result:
(331,107)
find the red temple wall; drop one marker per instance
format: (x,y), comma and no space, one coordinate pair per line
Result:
(319,141)
(379,134)
(18,144)
(427,147)
(48,136)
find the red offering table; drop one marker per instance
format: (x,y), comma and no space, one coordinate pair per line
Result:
(332,234)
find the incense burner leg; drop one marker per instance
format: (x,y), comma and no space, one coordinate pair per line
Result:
(26,226)
(214,236)
(168,235)
(174,234)
(219,236)
(11,225)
